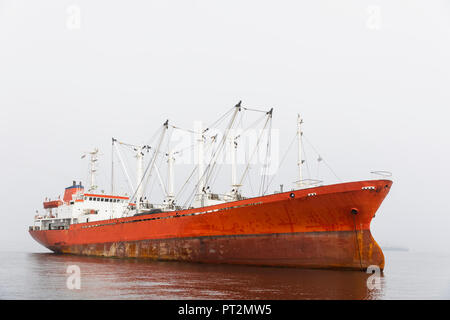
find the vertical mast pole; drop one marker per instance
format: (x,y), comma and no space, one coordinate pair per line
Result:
(112,166)
(300,160)
(200,160)
(170,178)
(231,133)
(139,173)
(233,149)
(112,176)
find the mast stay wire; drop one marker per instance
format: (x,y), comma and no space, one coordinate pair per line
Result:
(215,175)
(152,163)
(209,169)
(322,159)
(190,198)
(306,159)
(218,120)
(212,163)
(164,127)
(249,176)
(180,192)
(152,185)
(268,158)
(153,138)
(123,165)
(166,154)
(255,123)
(269,116)
(256,110)
(209,146)
(250,183)
(283,159)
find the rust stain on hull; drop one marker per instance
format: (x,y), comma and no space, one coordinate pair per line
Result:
(307,250)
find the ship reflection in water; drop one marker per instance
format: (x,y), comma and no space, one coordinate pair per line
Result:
(408,275)
(108,278)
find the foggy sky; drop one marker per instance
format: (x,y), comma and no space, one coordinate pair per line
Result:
(370,78)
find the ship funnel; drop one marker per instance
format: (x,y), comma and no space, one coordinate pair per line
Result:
(72,190)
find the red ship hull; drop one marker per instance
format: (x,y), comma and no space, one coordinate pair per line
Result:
(321,227)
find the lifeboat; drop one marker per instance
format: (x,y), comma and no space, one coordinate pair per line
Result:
(52,204)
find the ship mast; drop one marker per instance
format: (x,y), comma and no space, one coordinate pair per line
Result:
(300,160)
(170,177)
(112,166)
(200,155)
(233,148)
(93,169)
(139,176)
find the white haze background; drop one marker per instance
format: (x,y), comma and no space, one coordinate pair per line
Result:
(371,79)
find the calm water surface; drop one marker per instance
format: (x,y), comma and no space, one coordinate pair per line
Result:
(408,275)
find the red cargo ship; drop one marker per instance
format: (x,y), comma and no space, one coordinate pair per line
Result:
(310,226)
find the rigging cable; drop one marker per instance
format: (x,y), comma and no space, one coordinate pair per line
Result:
(220,119)
(191,196)
(215,174)
(210,168)
(267,160)
(207,172)
(283,159)
(150,165)
(306,159)
(321,159)
(269,115)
